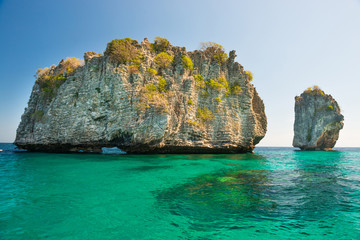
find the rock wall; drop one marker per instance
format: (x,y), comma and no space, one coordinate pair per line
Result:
(110,104)
(317,120)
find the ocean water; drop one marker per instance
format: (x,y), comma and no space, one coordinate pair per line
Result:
(275,193)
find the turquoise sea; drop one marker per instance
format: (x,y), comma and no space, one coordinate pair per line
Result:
(275,193)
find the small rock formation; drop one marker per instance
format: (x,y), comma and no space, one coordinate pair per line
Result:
(144,98)
(317,120)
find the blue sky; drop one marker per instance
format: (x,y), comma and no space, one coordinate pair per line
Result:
(289,45)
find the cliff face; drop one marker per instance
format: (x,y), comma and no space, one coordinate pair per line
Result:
(317,121)
(151,107)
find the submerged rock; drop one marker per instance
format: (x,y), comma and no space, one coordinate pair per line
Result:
(144,98)
(317,120)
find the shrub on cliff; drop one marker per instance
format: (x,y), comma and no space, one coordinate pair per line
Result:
(194,123)
(188,64)
(199,81)
(204,93)
(298,98)
(163,60)
(37,116)
(215,51)
(204,115)
(161,44)
(150,87)
(124,51)
(42,72)
(69,66)
(153,96)
(214,84)
(65,67)
(236,89)
(46,83)
(218,84)
(133,69)
(315,90)
(249,75)
(162,85)
(49,79)
(152,72)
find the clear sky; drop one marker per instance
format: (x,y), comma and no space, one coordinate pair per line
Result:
(289,45)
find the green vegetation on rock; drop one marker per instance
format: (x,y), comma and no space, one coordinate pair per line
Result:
(204,93)
(308,137)
(315,90)
(163,60)
(218,100)
(150,87)
(204,115)
(236,89)
(162,85)
(160,44)
(50,79)
(133,69)
(214,84)
(37,116)
(218,84)
(188,64)
(199,81)
(152,72)
(194,123)
(215,51)
(154,95)
(249,75)
(124,51)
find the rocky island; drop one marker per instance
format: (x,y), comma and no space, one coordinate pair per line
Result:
(317,120)
(144,98)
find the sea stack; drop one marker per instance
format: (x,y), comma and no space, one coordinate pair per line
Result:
(317,120)
(144,98)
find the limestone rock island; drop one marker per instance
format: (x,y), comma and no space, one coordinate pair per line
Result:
(144,98)
(317,120)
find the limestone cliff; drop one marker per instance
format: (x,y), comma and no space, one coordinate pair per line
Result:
(317,120)
(144,98)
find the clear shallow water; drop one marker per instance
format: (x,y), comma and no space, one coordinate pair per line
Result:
(276,193)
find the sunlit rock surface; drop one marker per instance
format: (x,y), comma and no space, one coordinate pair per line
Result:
(109,104)
(317,120)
